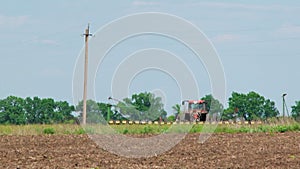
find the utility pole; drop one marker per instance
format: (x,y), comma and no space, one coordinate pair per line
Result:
(283,104)
(86,35)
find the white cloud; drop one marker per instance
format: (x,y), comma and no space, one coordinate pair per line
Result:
(144,3)
(225,38)
(12,21)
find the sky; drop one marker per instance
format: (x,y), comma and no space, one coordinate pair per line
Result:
(257,43)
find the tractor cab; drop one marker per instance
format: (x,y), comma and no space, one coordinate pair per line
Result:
(194,110)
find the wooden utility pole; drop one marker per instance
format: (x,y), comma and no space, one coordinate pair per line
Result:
(86,35)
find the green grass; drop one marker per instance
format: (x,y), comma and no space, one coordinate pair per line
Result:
(144,129)
(38,129)
(49,131)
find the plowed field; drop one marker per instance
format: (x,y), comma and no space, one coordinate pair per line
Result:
(258,150)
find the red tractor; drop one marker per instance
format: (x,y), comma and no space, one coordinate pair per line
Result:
(194,110)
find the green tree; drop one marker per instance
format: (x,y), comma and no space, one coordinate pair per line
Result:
(39,111)
(46,115)
(171,118)
(98,112)
(113,113)
(62,112)
(12,110)
(177,109)
(93,112)
(213,105)
(229,114)
(296,111)
(47,111)
(16,110)
(251,106)
(142,106)
(33,110)
(269,110)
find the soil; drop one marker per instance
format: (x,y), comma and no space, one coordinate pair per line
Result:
(258,150)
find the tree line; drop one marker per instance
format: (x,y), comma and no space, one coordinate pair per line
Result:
(249,107)
(142,106)
(16,110)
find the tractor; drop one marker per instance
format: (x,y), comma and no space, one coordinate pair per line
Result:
(194,110)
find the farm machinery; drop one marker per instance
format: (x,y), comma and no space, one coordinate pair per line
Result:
(193,110)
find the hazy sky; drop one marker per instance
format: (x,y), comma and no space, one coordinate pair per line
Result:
(258,44)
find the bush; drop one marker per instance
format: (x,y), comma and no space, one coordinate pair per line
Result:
(171,118)
(125,131)
(49,131)
(227,130)
(296,127)
(263,129)
(244,130)
(147,129)
(80,131)
(282,129)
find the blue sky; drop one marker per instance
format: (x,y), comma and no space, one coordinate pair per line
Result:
(258,44)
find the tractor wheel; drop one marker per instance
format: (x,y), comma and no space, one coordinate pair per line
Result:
(203,117)
(187,117)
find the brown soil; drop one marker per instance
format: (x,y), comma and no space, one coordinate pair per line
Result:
(280,150)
